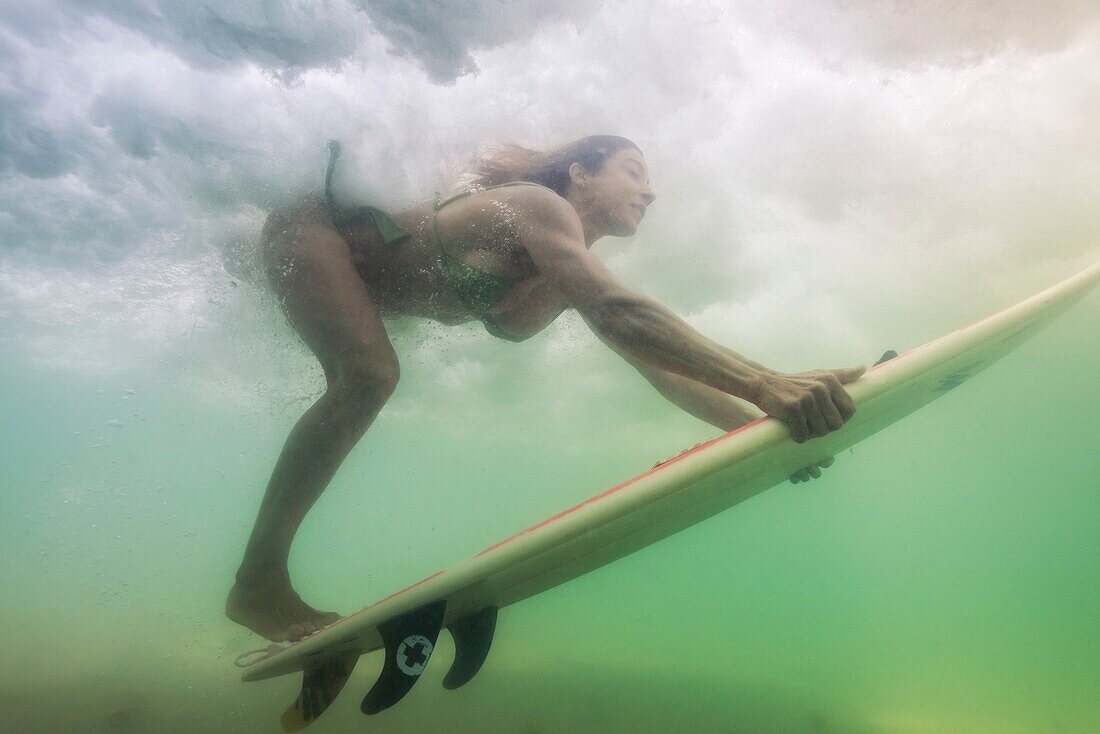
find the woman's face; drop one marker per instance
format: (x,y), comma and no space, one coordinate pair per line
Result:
(620,191)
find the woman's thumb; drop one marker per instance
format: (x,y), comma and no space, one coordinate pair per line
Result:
(849,374)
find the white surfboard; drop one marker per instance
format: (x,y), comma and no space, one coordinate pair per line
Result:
(673,495)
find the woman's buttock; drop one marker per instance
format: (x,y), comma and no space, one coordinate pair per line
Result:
(288,229)
(291,233)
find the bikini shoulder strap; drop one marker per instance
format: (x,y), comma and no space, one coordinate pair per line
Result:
(441,202)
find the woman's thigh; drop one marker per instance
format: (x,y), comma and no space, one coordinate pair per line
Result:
(311,271)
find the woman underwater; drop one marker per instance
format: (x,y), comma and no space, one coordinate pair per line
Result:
(513,252)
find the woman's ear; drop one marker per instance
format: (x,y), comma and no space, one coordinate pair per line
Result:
(578,176)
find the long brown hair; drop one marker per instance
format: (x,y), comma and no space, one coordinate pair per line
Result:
(510,162)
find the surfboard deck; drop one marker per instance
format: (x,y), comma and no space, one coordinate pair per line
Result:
(674,494)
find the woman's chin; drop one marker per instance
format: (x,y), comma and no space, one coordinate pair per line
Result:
(624,228)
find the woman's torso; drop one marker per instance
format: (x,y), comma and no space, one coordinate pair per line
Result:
(480,231)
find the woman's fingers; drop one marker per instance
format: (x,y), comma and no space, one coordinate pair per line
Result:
(811,472)
(799,431)
(811,403)
(839,397)
(815,419)
(832,413)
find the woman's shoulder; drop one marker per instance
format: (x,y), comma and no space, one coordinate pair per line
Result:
(544,206)
(528,197)
(525,199)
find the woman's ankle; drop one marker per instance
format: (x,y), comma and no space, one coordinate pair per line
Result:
(262,576)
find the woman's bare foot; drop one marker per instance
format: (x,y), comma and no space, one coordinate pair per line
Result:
(275,611)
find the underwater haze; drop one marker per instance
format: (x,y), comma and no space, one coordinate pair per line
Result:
(833,180)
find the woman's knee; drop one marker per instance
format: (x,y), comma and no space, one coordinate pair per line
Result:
(366,383)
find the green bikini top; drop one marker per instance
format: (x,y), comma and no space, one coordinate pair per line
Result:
(477,289)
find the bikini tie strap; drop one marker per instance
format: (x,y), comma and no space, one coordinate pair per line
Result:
(334,149)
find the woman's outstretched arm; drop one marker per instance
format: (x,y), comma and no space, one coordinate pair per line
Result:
(708,404)
(811,403)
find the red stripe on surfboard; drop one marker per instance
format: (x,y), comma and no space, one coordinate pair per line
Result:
(625,484)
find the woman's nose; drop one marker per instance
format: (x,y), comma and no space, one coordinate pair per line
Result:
(648,196)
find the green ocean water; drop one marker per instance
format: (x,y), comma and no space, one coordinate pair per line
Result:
(940,577)
(834,179)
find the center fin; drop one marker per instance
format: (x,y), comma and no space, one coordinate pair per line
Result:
(409,641)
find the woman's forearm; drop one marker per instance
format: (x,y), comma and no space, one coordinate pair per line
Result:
(645,331)
(745,360)
(706,403)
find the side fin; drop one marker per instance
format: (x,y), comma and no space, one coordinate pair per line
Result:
(321,683)
(409,641)
(472,635)
(886,357)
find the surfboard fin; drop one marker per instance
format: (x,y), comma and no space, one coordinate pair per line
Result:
(321,683)
(409,641)
(472,635)
(886,357)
